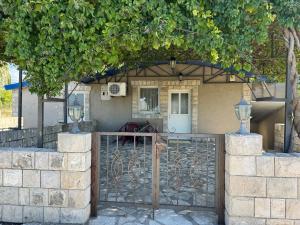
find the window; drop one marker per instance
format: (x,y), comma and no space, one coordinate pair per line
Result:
(180,103)
(148,101)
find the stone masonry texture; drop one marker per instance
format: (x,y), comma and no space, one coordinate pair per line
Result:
(279,138)
(28,137)
(45,185)
(261,188)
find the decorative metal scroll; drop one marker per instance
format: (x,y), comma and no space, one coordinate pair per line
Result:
(188,171)
(127,168)
(116,168)
(134,168)
(186,165)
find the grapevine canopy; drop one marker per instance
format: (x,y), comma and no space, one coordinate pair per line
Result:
(59,41)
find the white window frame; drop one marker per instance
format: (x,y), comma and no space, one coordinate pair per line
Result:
(158,100)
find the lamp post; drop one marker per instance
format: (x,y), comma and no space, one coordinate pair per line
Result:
(75,113)
(243,112)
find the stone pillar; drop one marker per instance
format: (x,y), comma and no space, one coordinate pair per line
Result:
(77,177)
(241,183)
(261,188)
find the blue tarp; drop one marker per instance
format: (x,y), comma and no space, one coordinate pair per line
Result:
(15,86)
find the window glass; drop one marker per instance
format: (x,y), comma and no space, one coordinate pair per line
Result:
(149,100)
(184,106)
(175,103)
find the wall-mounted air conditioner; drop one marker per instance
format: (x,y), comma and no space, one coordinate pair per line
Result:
(117,88)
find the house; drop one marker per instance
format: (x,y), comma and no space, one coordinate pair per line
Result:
(181,166)
(193,97)
(204,91)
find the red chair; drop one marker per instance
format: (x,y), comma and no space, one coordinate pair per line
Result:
(129,127)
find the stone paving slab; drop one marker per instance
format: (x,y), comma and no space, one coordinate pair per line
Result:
(144,216)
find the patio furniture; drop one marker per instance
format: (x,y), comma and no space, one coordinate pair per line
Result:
(145,127)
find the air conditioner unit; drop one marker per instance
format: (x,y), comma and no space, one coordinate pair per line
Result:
(117,88)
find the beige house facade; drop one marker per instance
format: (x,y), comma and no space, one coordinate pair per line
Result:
(208,106)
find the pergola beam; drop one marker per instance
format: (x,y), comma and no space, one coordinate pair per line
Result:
(54,100)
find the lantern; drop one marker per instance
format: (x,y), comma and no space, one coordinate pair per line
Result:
(173,63)
(243,112)
(75,113)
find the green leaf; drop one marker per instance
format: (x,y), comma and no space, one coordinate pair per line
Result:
(59,41)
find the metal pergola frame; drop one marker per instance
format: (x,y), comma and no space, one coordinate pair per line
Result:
(157,71)
(41,102)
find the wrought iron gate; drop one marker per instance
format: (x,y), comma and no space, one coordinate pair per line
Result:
(160,169)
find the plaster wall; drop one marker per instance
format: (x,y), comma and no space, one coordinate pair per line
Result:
(216,108)
(266,128)
(214,103)
(53,111)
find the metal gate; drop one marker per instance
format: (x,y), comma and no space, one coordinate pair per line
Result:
(182,170)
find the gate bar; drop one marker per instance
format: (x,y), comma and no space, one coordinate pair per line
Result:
(220,178)
(95,173)
(155,173)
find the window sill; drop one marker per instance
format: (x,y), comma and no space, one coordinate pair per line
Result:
(146,115)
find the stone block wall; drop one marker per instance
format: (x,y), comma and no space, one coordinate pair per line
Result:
(279,138)
(260,188)
(28,137)
(44,185)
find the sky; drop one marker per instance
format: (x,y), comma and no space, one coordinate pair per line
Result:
(14,73)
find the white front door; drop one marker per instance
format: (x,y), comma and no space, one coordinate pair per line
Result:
(179,113)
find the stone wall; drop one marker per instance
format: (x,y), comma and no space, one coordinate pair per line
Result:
(260,188)
(279,138)
(28,137)
(47,186)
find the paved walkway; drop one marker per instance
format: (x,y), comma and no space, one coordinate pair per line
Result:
(144,216)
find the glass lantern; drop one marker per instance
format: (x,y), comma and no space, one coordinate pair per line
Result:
(243,113)
(173,63)
(76,114)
